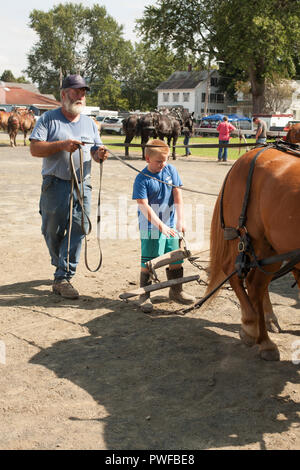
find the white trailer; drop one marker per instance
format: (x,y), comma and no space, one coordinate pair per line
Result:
(275,121)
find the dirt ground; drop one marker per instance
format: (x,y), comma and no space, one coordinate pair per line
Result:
(97,373)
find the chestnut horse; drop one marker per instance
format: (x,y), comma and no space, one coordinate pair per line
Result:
(273,224)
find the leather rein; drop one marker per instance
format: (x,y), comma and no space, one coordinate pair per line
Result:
(80,194)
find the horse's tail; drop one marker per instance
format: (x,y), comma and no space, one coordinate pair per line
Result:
(217,251)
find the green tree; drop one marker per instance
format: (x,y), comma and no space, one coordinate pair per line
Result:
(147,67)
(74,39)
(258,38)
(7,76)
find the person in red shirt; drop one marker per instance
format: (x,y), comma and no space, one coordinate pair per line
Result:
(224,129)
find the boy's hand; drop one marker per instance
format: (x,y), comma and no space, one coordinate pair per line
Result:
(168,231)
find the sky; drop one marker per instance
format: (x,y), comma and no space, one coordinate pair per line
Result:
(18,38)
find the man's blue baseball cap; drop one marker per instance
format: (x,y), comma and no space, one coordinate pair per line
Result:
(75,81)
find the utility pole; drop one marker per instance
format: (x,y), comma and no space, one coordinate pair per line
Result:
(60,77)
(207,93)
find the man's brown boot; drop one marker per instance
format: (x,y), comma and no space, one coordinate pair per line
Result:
(176,293)
(64,288)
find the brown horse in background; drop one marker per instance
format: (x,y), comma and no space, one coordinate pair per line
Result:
(4,115)
(20,120)
(27,123)
(13,126)
(273,223)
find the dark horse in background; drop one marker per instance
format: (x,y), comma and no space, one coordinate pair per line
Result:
(172,125)
(159,125)
(139,125)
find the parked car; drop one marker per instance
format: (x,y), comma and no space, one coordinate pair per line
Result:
(114,124)
(102,118)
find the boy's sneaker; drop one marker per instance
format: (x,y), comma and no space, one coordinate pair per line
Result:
(64,288)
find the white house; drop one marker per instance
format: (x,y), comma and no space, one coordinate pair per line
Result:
(294,105)
(188,90)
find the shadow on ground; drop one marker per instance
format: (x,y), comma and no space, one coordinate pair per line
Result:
(169,382)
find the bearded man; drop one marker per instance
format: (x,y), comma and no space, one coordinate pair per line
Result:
(58,133)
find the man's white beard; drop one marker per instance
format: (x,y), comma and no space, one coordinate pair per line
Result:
(73,108)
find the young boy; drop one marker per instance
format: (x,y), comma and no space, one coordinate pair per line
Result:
(158,205)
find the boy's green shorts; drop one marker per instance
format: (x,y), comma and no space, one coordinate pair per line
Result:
(153,247)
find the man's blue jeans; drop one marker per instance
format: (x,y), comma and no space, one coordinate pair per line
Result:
(54,209)
(261,140)
(224,150)
(186,142)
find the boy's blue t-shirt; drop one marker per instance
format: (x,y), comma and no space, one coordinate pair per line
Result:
(159,195)
(53,126)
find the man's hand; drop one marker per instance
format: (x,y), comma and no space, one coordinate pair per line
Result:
(100,154)
(70,145)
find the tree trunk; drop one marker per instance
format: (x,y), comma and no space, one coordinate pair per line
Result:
(258,94)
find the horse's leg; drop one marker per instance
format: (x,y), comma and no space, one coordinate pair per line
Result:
(144,140)
(249,328)
(257,286)
(25,135)
(128,140)
(174,148)
(270,317)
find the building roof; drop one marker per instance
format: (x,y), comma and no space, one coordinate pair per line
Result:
(20,97)
(183,80)
(25,86)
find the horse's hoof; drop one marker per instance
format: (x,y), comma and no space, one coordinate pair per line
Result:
(247,339)
(270,354)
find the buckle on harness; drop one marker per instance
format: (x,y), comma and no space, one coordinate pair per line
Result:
(241,247)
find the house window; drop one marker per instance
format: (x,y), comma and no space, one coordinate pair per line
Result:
(214,81)
(166,97)
(176,97)
(186,97)
(220,98)
(203,97)
(212,98)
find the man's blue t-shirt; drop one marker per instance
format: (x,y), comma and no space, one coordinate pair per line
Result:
(159,195)
(53,126)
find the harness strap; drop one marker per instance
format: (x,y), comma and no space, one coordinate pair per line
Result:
(243,216)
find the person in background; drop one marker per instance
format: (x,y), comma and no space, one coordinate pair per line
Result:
(261,131)
(187,135)
(224,129)
(56,134)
